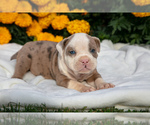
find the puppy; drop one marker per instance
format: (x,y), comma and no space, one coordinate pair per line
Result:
(72,62)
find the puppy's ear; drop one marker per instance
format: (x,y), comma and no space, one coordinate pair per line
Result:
(97,41)
(62,44)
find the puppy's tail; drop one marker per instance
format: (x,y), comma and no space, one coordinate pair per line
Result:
(14,56)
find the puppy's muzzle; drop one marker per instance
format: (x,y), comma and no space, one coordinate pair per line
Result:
(84,60)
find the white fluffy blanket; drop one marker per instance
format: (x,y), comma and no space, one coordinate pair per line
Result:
(128,68)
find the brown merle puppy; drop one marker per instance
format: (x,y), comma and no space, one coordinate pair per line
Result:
(72,62)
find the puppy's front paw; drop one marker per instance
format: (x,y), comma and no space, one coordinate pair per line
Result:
(87,89)
(104,86)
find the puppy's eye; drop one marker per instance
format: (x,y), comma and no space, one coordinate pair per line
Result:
(72,52)
(92,50)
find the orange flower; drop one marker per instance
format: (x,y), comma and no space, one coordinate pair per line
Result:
(79,11)
(46,21)
(24,6)
(48,7)
(8,18)
(34,29)
(78,26)
(40,14)
(58,38)
(60,22)
(5,35)
(23,20)
(139,14)
(63,7)
(8,5)
(141,2)
(48,37)
(45,36)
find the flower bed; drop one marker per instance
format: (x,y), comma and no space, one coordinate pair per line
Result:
(34,24)
(20,28)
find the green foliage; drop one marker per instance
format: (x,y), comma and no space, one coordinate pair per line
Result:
(14,107)
(106,5)
(121,27)
(118,27)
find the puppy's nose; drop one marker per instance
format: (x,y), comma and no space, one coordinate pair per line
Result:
(84,60)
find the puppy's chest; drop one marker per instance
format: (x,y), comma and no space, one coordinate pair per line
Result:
(83,77)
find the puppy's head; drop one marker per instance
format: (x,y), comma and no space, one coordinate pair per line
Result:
(79,52)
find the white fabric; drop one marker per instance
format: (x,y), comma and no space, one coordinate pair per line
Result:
(128,68)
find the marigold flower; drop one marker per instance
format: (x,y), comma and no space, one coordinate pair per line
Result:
(139,14)
(78,26)
(46,21)
(48,7)
(23,20)
(58,38)
(40,2)
(83,11)
(8,5)
(79,11)
(34,29)
(45,36)
(141,2)
(5,35)
(8,18)
(63,7)
(60,22)
(24,6)
(40,14)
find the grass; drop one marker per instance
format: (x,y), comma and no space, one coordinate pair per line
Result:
(29,120)
(46,119)
(13,107)
(21,115)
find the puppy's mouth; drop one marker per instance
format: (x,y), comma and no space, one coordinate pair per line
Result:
(85,69)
